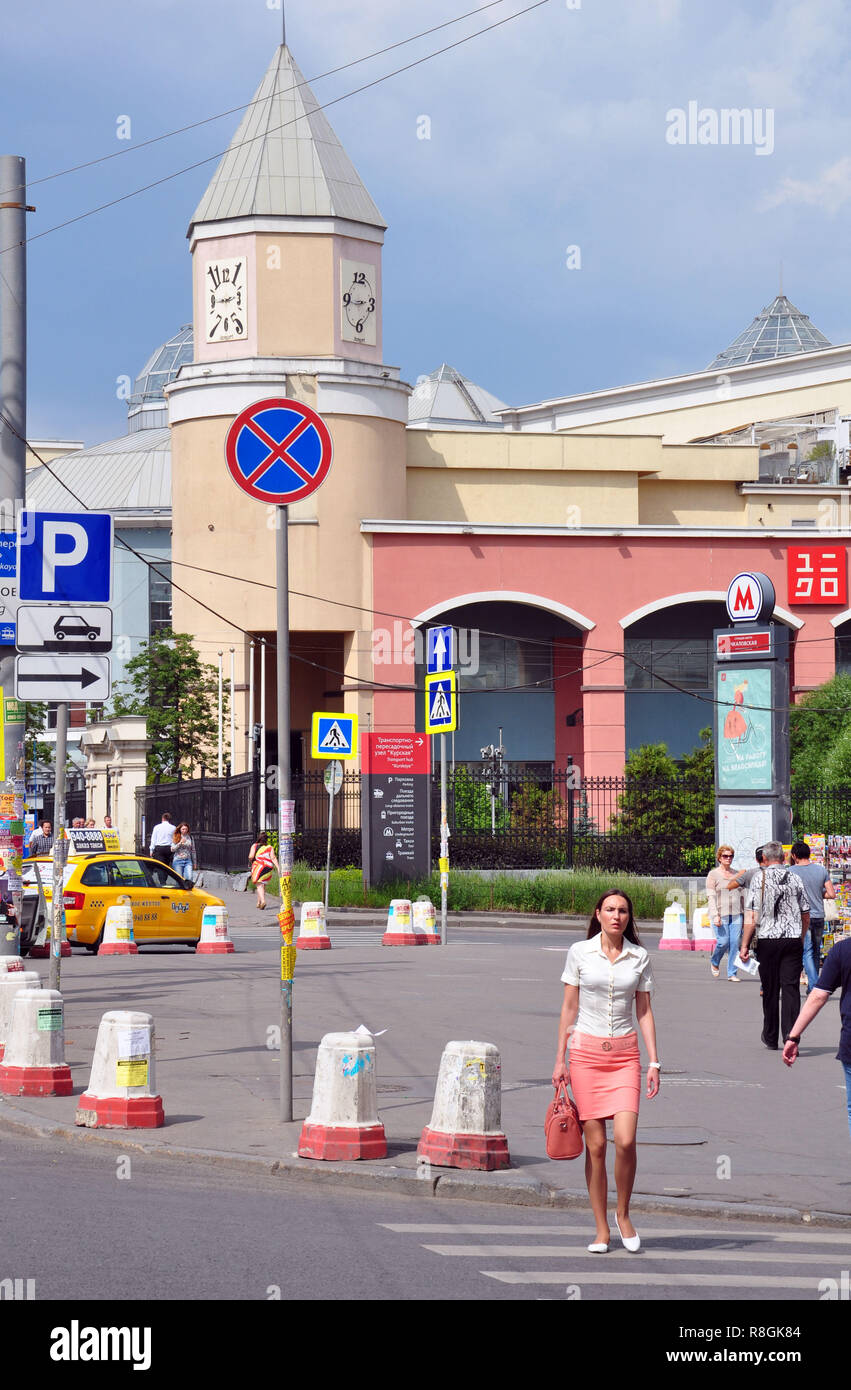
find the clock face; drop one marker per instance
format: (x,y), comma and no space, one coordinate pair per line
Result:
(358,302)
(225,301)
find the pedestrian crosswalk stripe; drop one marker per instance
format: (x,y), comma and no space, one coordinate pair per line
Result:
(703,1281)
(569,1252)
(765,1233)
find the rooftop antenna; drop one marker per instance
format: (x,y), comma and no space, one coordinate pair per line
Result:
(284,22)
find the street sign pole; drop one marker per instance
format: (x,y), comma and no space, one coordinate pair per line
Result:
(328,852)
(444,842)
(60,847)
(13,401)
(297,458)
(285,839)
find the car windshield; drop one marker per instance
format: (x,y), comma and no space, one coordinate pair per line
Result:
(127,873)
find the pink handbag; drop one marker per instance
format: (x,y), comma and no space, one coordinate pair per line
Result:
(563,1127)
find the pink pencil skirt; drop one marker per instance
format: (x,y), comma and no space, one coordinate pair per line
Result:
(605,1075)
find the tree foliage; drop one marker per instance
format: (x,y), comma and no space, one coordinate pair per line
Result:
(817,724)
(666,802)
(177,693)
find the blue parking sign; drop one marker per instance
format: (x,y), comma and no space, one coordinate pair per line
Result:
(65,557)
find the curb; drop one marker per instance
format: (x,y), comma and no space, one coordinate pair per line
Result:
(501,1188)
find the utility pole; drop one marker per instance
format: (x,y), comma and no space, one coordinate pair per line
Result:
(285,809)
(13,449)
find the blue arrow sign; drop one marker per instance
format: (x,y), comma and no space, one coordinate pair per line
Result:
(440,650)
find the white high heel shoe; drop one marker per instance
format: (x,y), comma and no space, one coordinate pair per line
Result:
(598,1248)
(631,1243)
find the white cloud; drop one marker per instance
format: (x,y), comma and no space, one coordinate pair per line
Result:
(830,190)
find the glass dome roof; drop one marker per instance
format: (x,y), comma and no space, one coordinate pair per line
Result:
(778,331)
(161,368)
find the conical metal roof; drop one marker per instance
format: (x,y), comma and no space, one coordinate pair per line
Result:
(446,396)
(285,160)
(778,331)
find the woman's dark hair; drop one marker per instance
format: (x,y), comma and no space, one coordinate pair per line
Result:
(262,838)
(631,932)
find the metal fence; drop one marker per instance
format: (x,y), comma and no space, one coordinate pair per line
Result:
(531,818)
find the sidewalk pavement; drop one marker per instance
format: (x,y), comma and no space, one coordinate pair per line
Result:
(732,1131)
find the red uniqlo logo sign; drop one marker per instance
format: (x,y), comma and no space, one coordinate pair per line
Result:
(818,575)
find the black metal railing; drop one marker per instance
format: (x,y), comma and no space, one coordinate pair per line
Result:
(530,817)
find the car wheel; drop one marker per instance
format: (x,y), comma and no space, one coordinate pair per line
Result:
(94,946)
(60,636)
(92,636)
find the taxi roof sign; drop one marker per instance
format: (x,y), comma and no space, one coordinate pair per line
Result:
(333,735)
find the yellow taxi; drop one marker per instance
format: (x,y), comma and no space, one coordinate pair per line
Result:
(167,909)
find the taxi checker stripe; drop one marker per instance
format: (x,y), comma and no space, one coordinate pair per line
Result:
(278,451)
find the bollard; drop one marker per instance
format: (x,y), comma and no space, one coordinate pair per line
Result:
(465,1129)
(34,1061)
(10,983)
(11,965)
(215,940)
(121,1093)
(118,939)
(702,931)
(425,920)
(343,1122)
(312,929)
(675,935)
(400,930)
(43,952)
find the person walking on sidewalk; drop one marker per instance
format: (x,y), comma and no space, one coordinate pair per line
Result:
(725,912)
(184,860)
(162,836)
(602,977)
(777,902)
(818,886)
(262,860)
(835,971)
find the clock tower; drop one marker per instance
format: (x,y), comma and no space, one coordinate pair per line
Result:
(287,299)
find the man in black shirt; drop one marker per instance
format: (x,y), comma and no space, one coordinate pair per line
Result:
(835,971)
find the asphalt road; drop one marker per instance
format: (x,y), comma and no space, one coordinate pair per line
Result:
(102,1225)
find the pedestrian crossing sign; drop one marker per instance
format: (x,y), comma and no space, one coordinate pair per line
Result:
(334,736)
(441,703)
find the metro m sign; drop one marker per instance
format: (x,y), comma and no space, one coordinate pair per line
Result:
(750,598)
(818,575)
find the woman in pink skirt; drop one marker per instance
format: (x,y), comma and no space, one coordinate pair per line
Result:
(602,977)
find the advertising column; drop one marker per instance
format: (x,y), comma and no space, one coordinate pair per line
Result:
(751,682)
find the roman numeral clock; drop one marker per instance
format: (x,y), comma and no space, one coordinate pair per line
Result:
(225,301)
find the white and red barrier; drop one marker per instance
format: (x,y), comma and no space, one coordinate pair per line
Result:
(343,1122)
(675,935)
(425,920)
(702,931)
(34,1061)
(215,939)
(10,982)
(122,1093)
(466,1122)
(401,929)
(118,938)
(42,952)
(312,929)
(11,965)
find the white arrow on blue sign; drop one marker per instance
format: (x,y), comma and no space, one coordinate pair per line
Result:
(440,650)
(64,557)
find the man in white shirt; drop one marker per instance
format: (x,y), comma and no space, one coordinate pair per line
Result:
(161,839)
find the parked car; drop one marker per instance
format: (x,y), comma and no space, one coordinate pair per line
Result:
(167,909)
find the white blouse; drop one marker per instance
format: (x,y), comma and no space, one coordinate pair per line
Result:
(607,988)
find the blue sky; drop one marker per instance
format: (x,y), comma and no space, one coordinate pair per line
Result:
(547,133)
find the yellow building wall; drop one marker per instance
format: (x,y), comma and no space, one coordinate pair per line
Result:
(717,413)
(690,504)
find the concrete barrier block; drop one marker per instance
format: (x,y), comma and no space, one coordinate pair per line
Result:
(343,1122)
(122,1093)
(215,938)
(466,1123)
(10,983)
(34,1060)
(312,928)
(118,938)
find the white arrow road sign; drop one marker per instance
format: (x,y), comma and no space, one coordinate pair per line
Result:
(64,628)
(55,678)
